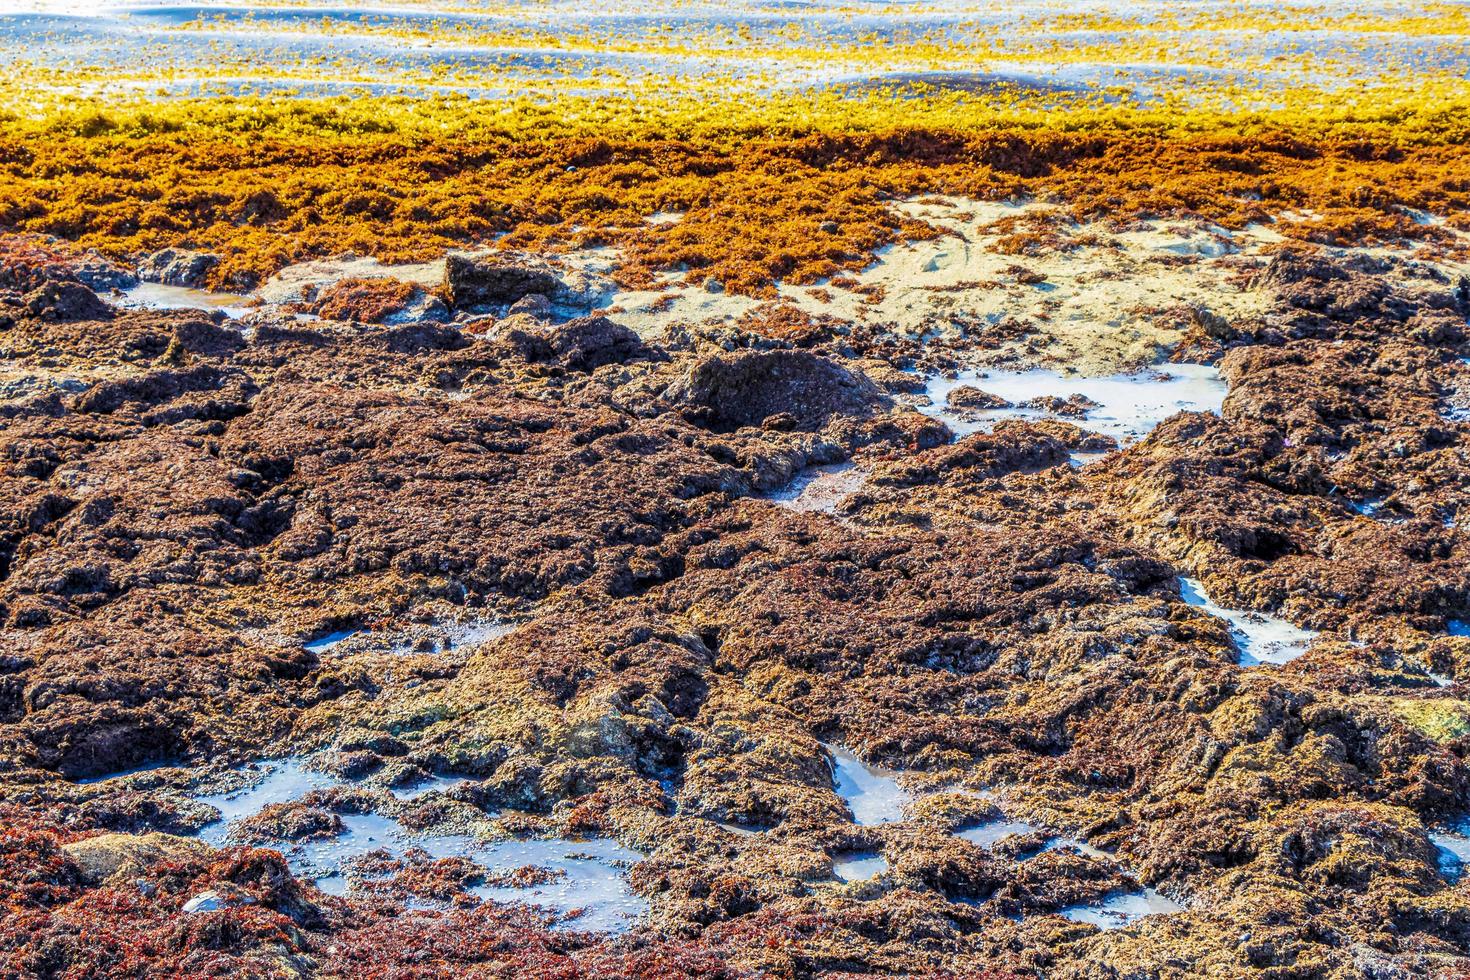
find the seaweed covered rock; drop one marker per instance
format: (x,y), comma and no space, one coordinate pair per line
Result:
(106,856)
(67,302)
(376,300)
(177,267)
(583,344)
(519,586)
(29,261)
(970,398)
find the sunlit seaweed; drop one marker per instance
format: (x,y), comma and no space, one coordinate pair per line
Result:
(268,183)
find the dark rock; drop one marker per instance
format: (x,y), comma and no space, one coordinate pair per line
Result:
(494,281)
(592,341)
(583,344)
(208,338)
(417,338)
(730,391)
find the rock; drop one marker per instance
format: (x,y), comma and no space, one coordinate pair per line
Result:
(30,261)
(177,267)
(972,398)
(592,341)
(1076,439)
(534,305)
(893,380)
(113,855)
(350,765)
(66,302)
(494,281)
(101,274)
(730,391)
(713,285)
(979,614)
(1213,324)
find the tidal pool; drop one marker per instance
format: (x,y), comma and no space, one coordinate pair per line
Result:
(1113,911)
(1129,406)
(1123,908)
(819,488)
(1454,850)
(281,782)
(873,795)
(450,636)
(330,640)
(588,882)
(413,790)
(1259,637)
(992,832)
(859,867)
(155,296)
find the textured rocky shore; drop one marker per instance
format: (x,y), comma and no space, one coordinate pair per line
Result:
(518,595)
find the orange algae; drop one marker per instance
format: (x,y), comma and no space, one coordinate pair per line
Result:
(363,300)
(762,203)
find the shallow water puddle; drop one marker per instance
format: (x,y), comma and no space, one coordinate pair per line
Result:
(1458,627)
(582,877)
(474,634)
(873,795)
(1080,460)
(1373,508)
(330,640)
(859,867)
(819,488)
(591,879)
(454,636)
(1114,911)
(282,782)
(1122,908)
(1128,408)
(1367,508)
(413,791)
(156,296)
(1454,851)
(992,832)
(1259,637)
(1081,846)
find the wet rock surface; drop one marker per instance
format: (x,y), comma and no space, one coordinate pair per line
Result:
(966,725)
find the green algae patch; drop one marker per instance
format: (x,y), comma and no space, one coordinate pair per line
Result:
(1442,720)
